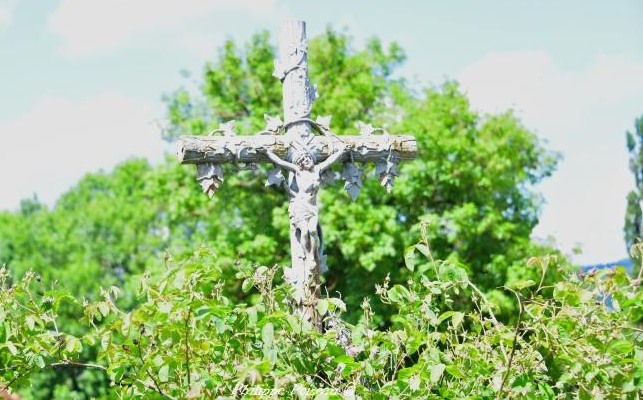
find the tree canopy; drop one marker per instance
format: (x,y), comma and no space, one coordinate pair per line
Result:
(472,184)
(473,180)
(470,194)
(633,213)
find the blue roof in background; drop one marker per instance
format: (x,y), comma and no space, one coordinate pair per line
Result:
(626,262)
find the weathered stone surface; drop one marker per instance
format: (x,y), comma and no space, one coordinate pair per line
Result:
(251,149)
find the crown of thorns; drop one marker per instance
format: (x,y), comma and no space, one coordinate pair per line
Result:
(301,154)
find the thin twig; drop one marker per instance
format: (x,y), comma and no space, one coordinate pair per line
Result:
(542,277)
(76,364)
(11,382)
(149,387)
(156,387)
(486,301)
(187,345)
(491,314)
(513,346)
(632,328)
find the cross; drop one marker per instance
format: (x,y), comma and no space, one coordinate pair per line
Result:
(306,149)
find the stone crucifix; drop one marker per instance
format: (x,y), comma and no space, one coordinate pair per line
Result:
(306,149)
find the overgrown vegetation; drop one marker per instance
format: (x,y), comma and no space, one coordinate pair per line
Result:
(484,322)
(188,340)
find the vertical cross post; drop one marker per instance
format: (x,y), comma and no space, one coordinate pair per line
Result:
(298,97)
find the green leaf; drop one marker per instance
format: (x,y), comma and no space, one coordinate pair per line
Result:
(586,296)
(126,323)
(338,303)
(103,308)
(522,284)
(457,318)
(621,346)
(436,372)
(104,340)
(268,334)
(546,391)
(40,361)
(73,345)
(158,360)
(448,272)
(89,339)
(268,338)
(409,258)
(165,307)
(368,369)
(454,371)
(12,348)
(252,315)
(322,307)
(295,324)
(424,249)
(247,284)
(414,383)
(322,396)
(445,315)
(398,294)
(164,373)
(29,320)
(179,279)
(406,373)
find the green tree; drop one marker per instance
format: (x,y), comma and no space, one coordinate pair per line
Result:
(471,190)
(633,213)
(103,231)
(473,180)
(99,232)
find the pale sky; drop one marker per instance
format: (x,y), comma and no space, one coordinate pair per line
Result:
(81,83)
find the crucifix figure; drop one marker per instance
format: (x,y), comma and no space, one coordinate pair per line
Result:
(306,179)
(306,149)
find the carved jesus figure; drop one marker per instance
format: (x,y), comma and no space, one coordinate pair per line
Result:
(303,188)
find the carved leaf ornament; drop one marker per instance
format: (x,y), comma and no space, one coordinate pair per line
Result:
(210,175)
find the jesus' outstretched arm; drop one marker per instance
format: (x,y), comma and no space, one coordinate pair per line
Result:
(282,163)
(339,150)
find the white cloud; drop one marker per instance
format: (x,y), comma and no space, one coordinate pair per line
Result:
(6,13)
(48,149)
(200,44)
(92,26)
(584,114)
(543,94)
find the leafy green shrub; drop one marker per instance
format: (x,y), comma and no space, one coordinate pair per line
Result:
(188,340)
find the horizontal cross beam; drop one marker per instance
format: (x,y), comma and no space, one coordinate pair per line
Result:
(251,149)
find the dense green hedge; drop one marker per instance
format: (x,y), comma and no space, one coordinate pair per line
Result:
(188,340)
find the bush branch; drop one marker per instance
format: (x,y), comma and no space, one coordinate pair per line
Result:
(513,345)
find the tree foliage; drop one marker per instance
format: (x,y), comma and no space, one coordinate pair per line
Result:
(471,193)
(188,340)
(473,180)
(633,213)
